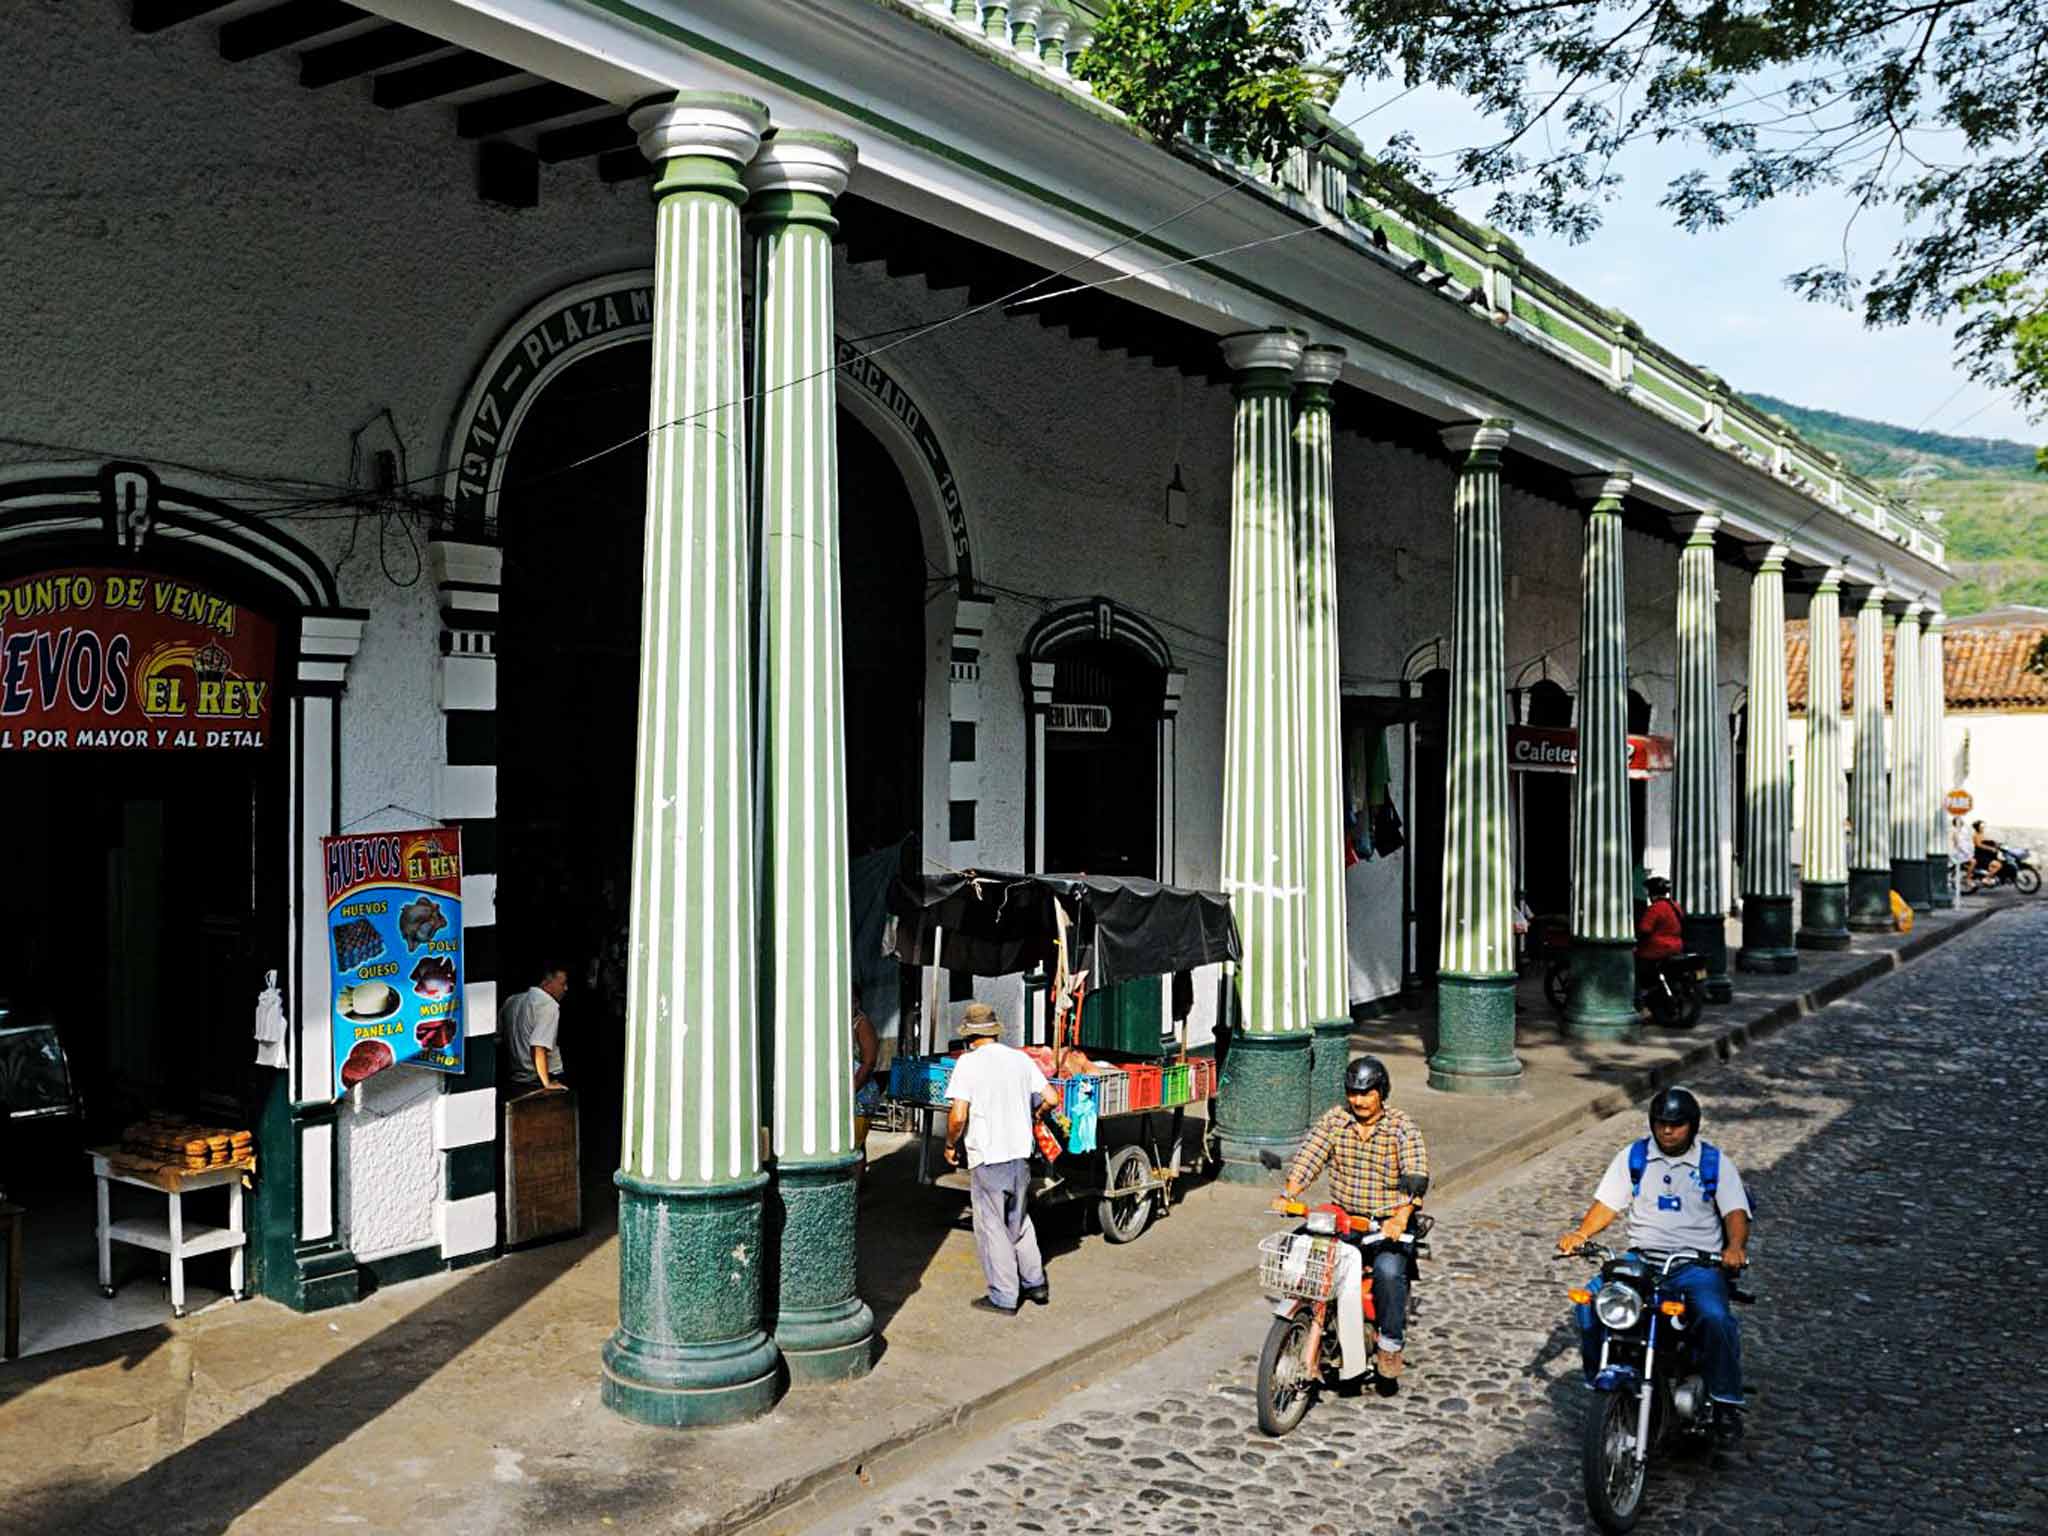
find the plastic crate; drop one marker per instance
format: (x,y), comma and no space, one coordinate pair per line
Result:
(1113,1093)
(1202,1077)
(1175,1084)
(1145,1086)
(921,1079)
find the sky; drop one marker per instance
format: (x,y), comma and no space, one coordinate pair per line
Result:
(1718,299)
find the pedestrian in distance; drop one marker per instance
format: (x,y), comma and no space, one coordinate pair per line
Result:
(997,1093)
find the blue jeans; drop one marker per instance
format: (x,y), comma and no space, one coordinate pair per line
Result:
(1717,1338)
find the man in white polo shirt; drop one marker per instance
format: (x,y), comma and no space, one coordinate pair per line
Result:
(996,1092)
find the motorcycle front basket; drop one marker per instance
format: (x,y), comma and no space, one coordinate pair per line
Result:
(1295,1264)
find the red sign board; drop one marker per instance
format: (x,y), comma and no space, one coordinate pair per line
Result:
(96,659)
(1551,749)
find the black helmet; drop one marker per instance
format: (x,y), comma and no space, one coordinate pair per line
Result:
(1675,1106)
(1366,1074)
(1657,886)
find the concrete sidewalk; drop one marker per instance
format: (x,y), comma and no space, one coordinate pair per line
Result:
(468,1402)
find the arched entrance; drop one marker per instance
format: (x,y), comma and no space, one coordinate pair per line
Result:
(1546,805)
(1639,714)
(1426,679)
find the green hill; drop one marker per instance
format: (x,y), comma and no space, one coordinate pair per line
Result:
(1992,504)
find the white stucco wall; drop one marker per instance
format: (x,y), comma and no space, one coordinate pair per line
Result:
(1997,757)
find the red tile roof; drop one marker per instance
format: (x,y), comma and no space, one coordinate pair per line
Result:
(1984,669)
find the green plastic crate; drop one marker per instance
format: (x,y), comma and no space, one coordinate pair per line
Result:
(1123,1018)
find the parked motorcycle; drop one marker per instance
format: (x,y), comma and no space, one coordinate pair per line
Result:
(1673,992)
(1649,1394)
(2015,868)
(1298,1270)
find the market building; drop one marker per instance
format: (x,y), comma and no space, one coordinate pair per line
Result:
(934,464)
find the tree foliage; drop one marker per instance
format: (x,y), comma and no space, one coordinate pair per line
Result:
(1937,109)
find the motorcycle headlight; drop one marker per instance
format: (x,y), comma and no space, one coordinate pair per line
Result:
(1323,1223)
(1618,1307)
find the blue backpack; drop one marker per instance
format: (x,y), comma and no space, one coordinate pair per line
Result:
(1710,1171)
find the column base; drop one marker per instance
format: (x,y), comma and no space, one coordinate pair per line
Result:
(1326,1073)
(1708,936)
(1603,999)
(1938,885)
(689,1349)
(1767,944)
(1909,879)
(1262,1105)
(825,1331)
(1823,916)
(1870,901)
(1475,1043)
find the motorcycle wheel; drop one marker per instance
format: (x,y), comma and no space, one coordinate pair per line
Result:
(1284,1389)
(1557,984)
(1614,1479)
(1687,1006)
(2028,880)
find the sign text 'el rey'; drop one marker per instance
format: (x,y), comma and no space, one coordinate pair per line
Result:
(94,659)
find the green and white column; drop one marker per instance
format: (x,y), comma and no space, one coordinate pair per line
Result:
(1264,1100)
(1824,861)
(1318,665)
(690,1346)
(823,1328)
(1909,830)
(1870,864)
(1934,724)
(1696,790)
(1603,914)
(1476,981)
(1767,930)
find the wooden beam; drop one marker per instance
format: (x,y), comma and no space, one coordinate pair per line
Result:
(579,140)
(332,63)
(521,109)
(438,77)
(158,15)
(261,32)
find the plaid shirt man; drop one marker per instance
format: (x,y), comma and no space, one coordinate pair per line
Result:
(1365,1162)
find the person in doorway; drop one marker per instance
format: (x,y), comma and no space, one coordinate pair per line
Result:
(532,1024)
(996,1093)
(867,1089)
(1524,918)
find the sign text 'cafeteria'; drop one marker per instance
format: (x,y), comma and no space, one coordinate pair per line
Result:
(92,659)
(394,930)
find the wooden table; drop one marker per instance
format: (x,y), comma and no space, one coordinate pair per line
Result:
(10,1223)
(172,1236)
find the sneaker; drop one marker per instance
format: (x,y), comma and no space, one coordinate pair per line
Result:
(985,1304)
(1727,1426)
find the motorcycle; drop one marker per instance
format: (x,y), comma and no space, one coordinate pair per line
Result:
(2015,868)
(1673,990)
(1649,1393)
(1298,1270)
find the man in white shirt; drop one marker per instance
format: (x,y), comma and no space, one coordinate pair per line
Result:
(532,1024)
(996,1092)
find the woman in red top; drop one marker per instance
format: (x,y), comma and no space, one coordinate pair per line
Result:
(1661,932)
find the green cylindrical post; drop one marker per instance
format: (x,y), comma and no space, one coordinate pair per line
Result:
(1824,866)
(1603,917)
(1934,721)
(824,1329)
(690,1347)
(1475,1050)
(1909,831)
(1767,941)
(1870,869)
(1696,836)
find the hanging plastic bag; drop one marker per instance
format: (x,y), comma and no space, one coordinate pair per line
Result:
(270,1024)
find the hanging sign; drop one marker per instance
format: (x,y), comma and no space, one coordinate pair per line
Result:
(92,659)
(394,933)
(1555,749)
(1650,754)
(1960,802)
(1092,718)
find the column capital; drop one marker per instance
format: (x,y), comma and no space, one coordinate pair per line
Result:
(1277,349)
(1874,596)
(1608,485)
(802,160)
(1774,557)
(1935,619)
(1910,614)
(1831,579)
(710,125)
(1487,436)
(1321,364)
(1700,526)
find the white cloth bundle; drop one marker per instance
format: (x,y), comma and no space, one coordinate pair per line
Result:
(270,1024)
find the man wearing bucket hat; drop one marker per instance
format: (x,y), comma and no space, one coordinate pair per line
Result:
(996,1091)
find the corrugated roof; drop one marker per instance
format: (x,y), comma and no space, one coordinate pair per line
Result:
(1984,669)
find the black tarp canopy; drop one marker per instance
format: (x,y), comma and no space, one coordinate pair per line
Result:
(996,924)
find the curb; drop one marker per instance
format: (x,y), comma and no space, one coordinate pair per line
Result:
(792,1505)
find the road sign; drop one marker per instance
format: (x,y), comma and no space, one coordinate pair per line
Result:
(1959,802)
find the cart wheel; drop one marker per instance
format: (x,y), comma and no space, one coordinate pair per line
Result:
(1124,1216)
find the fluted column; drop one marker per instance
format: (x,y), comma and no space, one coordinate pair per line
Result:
(1824,863)
(821,1325)
(1476,981)
(1767,938)
(1603,916)
(1317,664)
(1696,836)
(1265,1092)
(1870,865)
(1934,724)
(690,1348)
(1909,747)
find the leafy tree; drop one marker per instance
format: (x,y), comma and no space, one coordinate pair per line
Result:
(1938,108)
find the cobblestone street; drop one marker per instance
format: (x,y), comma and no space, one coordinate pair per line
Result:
(1892,1144)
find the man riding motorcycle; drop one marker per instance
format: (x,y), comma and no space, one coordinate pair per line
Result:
(1379,1172)
(1679,1192)
(1660,932)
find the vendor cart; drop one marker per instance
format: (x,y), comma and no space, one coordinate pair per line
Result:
(1126,1139)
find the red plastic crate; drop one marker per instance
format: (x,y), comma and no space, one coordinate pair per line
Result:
(1204,1076)
(1145,1086)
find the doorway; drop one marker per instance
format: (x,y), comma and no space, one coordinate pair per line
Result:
(1547,813)
(1427,810)
(1102,761)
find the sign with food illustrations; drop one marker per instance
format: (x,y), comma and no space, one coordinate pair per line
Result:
(98,659)
(394,931)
